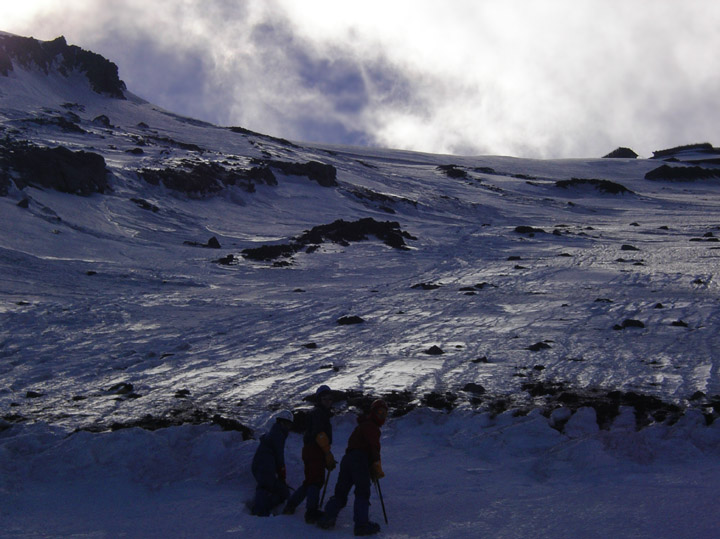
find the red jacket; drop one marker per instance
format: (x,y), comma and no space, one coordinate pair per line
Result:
(366,437)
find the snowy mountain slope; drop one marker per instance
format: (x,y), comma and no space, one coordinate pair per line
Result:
(114,314)
(174,319)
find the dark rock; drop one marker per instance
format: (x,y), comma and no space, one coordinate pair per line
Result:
(232,425)
(79,172)
(325,175)
(681,174)
(342,231)
(339,231)
(228,260)
(349,320)
(628,248)
(629,323)
(270,252)
(472,387)
(434,351)
(58,56)
(440,401)
(145,205)
(529,230)
(121,388)
(24,203)
(310,346)
(102,120)
(482,359)
(33,395)
(452,171)
(703,147)
(679,324)
(538,346)
(621,153)
(604,186)
(425,286)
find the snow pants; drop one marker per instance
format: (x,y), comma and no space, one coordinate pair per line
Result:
(270,490)
(354,471)
(314,460)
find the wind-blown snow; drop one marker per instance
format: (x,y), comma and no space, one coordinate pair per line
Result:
(97,291)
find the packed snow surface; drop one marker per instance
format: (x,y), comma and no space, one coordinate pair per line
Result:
(108,315)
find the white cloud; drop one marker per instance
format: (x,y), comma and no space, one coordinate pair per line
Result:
(553,78)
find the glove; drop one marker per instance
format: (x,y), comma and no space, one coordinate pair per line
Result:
(330,461)
(282,474)
(323,441)
(376,471)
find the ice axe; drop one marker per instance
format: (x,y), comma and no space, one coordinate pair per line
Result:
(327,480)
(382,502)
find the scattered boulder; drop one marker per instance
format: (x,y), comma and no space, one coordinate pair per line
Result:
(528,230)
(629,323)
(349,320)
(145,205)
(212,243)
(474,388)
(440,401)
(434,350)
(425,286)
(538,346)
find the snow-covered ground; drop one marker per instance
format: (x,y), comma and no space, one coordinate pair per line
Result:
(98,293)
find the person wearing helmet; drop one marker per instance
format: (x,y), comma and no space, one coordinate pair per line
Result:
(359,466)
(316,455)
(268,466)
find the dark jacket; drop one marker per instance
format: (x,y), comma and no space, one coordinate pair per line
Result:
(270,454)
(366,437)
(318,421)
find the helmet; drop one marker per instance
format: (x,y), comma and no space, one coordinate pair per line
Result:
(285,415)
(322,389)
(378,411)
(378,404)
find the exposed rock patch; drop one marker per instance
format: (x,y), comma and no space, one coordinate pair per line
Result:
(340,231)
(604,186)
(79,172)
(59,56)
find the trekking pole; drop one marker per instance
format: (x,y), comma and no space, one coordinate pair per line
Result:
(327,480)
(382,502)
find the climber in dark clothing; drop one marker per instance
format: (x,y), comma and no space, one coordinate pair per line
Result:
(360,465)
(316,456)
(268,466)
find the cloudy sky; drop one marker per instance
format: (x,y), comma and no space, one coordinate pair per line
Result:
(529,78)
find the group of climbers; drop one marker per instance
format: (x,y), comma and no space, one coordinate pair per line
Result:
(359,466)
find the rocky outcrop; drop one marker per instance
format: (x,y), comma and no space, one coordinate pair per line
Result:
(57,55)
(604,186)
(201,178)
(621,153)
(79,172)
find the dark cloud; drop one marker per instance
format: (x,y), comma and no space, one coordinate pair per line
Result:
(551,79)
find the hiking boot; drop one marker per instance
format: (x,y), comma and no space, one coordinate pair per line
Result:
(369,528)
(326,523)
(313,515)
